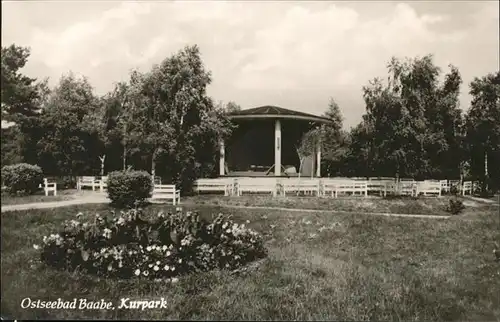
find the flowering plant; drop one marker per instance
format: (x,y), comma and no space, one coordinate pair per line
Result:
(163,247)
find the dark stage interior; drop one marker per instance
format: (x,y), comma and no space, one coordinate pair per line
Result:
(250,150)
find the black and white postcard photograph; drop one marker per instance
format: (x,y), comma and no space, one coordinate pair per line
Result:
(250,160)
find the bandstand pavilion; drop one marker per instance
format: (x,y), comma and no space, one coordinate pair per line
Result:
(264,143)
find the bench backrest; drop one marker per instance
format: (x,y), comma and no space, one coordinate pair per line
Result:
(48,183)
(164,188)
(87,179)
(429,185)
(379,181)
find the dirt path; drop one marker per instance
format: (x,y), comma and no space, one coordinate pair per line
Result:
(95,199)
(326,211)
(483,200)
(89,199)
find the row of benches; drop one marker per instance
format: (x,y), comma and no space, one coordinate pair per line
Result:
(328,187)
(160,191)
(100,183)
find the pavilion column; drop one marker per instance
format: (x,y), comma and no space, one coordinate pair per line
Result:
(222,161)
(318,160)
(277,148)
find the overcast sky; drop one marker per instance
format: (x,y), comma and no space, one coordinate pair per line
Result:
(291,54)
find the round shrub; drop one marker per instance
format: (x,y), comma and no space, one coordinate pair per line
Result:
(22,178)
(129,188)
(455,206)
(159,247)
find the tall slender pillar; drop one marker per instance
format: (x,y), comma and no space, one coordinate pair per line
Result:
(318,160)
(277,148)
(222,161)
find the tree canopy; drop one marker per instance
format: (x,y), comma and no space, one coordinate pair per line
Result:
(483,126)
(413,124)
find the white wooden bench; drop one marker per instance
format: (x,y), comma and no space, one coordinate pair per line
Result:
(352,187)
(380,185)
(102,183)
(215,185)
(166,191)
(295,185)
(445,185)
(429,187)
(256,185)
(49,187)
(466,187)
(87,181)
(329,185)
(407,187)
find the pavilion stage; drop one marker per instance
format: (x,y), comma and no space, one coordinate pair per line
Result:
(264,144)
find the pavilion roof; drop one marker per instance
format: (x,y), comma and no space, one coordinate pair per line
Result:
(275,112)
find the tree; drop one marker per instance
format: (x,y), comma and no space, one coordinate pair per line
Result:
(22,99)
(483,127)
(174,121)
(19,92)
(330,137)
(232,107)
(307,147)
(111,125)
(414,121)
(359,158)
(70,143)
(333,139)
(11,153)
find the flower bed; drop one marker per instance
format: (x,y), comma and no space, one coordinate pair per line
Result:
(168,245)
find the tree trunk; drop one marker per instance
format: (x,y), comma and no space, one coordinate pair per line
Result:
(124,146)
(153,166)
(397,183)
(102,164)
(485,172)
(313,162)
(124,157)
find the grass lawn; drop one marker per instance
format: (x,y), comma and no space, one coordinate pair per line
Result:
(420,206)
(333,267)
(38,197)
